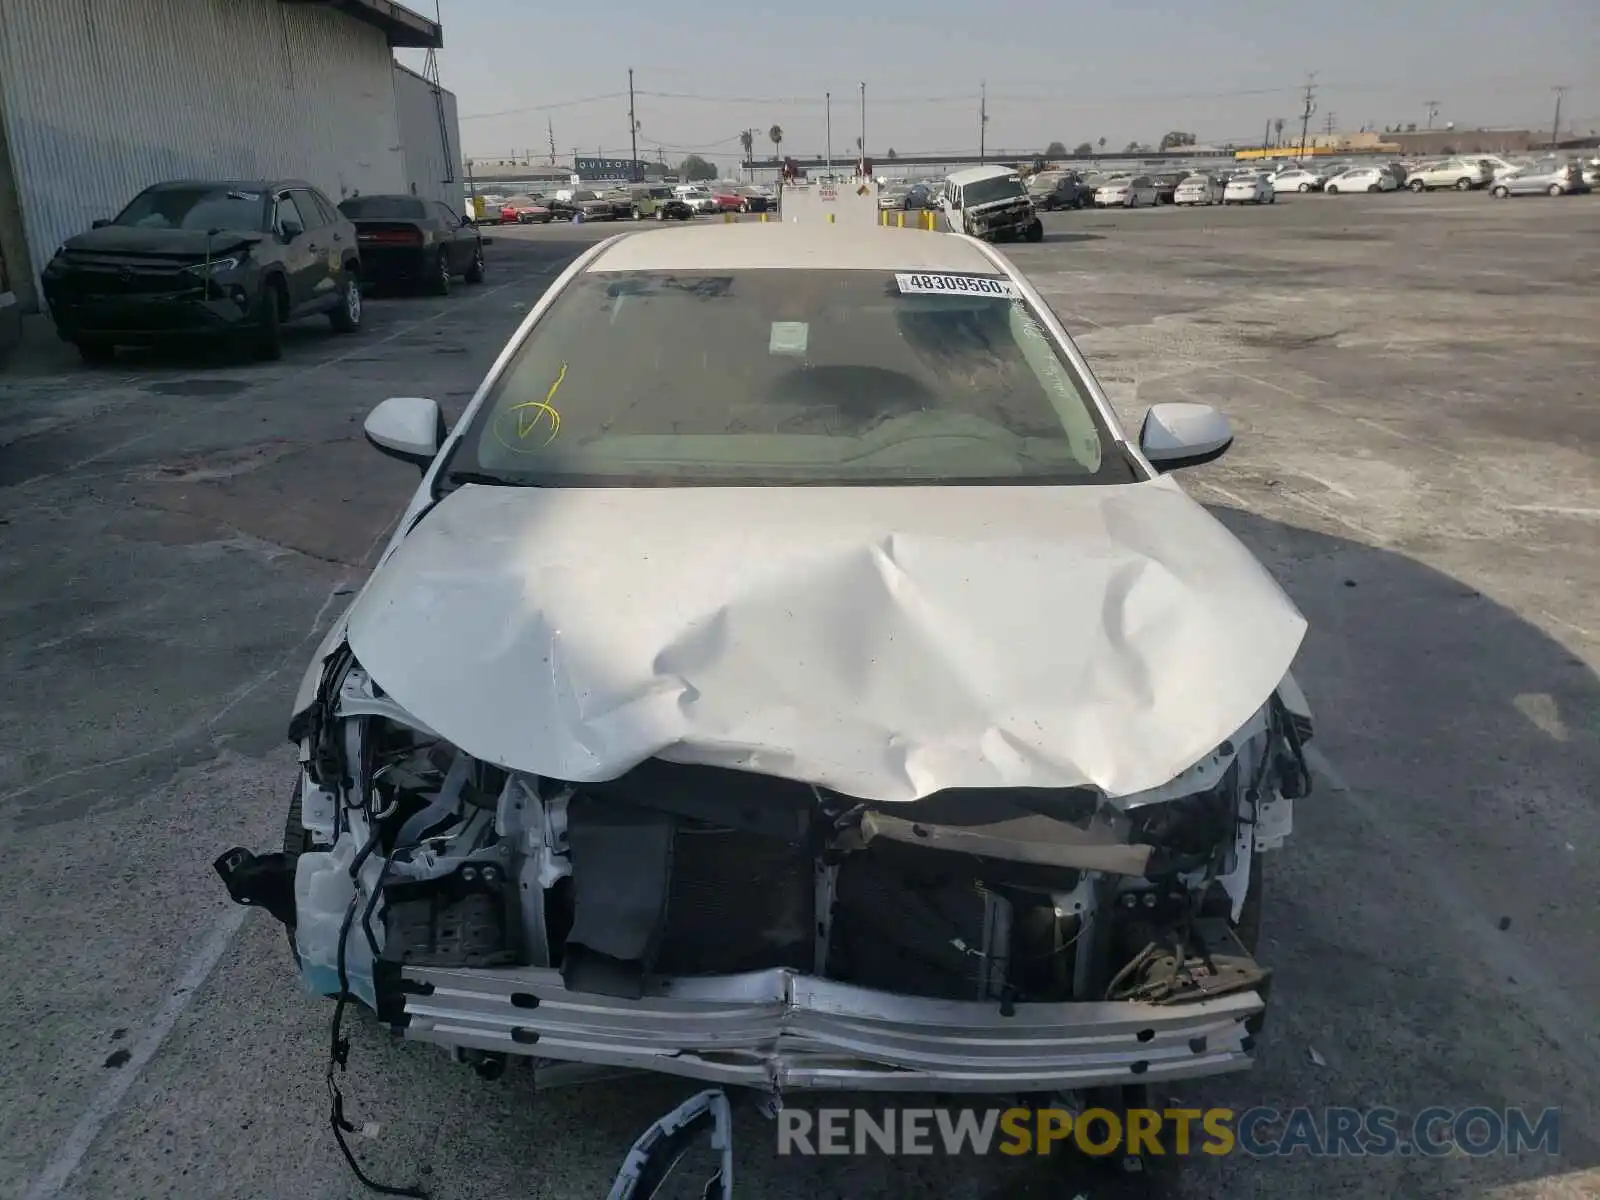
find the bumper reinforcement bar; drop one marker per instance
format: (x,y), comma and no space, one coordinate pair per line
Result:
(780,1030)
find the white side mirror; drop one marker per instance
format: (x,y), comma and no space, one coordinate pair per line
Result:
(410,428)
(1184,435)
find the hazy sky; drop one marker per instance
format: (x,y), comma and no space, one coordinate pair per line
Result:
(1120,69)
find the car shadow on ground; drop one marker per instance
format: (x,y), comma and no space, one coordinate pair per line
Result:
(1421,688)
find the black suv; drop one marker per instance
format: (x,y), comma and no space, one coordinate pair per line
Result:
(194,258)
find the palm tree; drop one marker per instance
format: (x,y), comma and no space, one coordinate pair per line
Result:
(892,155)
(747,142)
(1277,128)
(1102,145)
(775,136)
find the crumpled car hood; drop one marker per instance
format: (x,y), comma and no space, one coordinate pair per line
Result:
(884,642)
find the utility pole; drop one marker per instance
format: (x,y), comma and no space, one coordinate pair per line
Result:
(1310,107)
(1266,135)
(827,101)
(1433,111)
(633,134)
(1555,126)
(550,128)
(1327,126)
(983,118)
(863,121)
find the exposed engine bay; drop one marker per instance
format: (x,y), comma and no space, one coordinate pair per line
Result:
(754,930)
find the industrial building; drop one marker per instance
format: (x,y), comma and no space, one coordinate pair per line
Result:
(101,98)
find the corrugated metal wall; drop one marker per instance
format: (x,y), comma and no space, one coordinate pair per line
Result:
(103,97)
(429,162)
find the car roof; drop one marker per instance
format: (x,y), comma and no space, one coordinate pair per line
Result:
(975,174)
(818,247)
(233,185)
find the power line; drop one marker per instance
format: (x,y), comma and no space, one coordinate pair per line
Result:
(1078,99)
(528,108)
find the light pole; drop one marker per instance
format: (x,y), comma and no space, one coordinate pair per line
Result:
(827,102)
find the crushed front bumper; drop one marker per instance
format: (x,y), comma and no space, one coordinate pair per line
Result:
(149,318)
(782,1030)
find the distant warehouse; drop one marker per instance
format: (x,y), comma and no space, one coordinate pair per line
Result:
(97,101)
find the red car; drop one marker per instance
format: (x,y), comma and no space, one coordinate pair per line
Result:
(524,210)
(729,201)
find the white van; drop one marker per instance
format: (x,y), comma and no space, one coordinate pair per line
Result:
(990,203)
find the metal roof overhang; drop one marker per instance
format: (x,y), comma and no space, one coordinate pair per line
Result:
(402,26)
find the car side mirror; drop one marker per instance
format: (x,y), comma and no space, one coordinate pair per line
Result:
(289,230)
(100,223)
(410,428)
(1174,436)
(466,221)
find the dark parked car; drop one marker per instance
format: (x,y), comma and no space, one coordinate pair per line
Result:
(197,257)
(1056,190)
(1167,186)
(406,239)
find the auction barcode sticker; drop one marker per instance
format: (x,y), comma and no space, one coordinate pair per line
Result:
(956,285)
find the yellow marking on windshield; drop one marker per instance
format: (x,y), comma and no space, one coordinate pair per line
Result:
(530,412)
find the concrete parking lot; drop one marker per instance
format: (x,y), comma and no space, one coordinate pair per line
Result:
(1413,381)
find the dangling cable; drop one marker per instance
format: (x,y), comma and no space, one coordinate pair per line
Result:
(339,1046)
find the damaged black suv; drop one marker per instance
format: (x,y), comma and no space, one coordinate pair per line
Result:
(194,258)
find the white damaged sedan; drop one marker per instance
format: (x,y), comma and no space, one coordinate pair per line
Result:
(789,674)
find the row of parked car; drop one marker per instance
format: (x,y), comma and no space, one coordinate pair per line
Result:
(640,201)
(239,260)
(1054,190)
(1501,177)
(1065,189)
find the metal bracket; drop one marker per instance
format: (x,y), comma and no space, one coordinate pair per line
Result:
(259,881)
(1274,823)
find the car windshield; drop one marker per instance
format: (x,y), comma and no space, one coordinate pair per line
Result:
(404,208)
(1044,183)
(787,377)
(196,208)
(987,191)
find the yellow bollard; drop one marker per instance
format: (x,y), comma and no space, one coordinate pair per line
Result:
(763,218)
(830,218)
(900,219)
(727,218)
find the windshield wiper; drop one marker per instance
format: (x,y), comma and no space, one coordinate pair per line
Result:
(451,480)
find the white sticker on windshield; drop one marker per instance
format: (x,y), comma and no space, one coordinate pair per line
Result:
(957,285)
(251,196)
(789,337)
